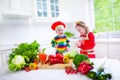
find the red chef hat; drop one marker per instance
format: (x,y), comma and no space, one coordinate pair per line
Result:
(57,23)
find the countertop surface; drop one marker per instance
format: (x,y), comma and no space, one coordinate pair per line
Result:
(112,66)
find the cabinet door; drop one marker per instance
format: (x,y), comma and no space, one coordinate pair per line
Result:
(101,50)
(114,51)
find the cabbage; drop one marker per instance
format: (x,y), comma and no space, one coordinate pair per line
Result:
(17,63)
(18,59)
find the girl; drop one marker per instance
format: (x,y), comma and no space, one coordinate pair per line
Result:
(60,41)
(87,41)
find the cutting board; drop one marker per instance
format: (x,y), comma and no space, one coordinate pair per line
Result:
(55,66)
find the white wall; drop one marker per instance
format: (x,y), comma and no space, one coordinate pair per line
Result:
(73,10)
(17,33)
(3,6)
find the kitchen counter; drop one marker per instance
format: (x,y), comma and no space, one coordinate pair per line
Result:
(112,66)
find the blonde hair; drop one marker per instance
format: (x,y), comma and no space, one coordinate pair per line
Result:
(58,27)
(83,25)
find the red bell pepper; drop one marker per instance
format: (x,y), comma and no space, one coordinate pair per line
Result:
(55,61)
(51,57)
(59,56)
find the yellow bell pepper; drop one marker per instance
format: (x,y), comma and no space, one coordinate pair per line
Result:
(32,66)
(65,59)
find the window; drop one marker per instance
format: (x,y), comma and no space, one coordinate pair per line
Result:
(47,8)
(42,8)
(107,15)
(107,18)
(54,8)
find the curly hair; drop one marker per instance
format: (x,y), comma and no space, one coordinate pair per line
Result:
(83,25)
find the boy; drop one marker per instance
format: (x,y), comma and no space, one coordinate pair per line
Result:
(60,41)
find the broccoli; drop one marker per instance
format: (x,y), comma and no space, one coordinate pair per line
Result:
(79,58)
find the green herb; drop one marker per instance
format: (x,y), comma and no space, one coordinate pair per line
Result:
(26,49)
(69,34)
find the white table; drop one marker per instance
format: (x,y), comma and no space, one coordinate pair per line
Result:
(112,66)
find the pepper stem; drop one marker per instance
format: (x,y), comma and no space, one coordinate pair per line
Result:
(43,50)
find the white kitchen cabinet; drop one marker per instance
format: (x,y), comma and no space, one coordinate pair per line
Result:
(101,50)
(114,51)
(109,48)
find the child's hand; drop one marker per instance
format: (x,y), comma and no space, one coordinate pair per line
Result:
(56,45)
(67,49)
(78,43)
(81,41)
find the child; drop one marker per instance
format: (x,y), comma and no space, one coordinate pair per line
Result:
(87,41)
(60,41)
